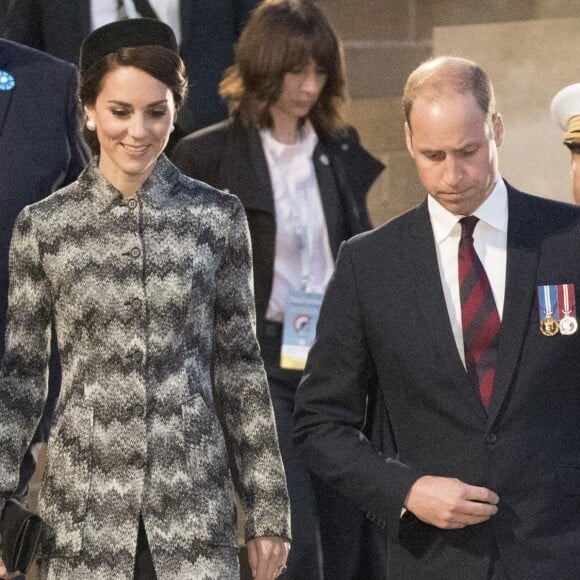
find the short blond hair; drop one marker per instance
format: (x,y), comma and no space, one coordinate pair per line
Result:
(449,73)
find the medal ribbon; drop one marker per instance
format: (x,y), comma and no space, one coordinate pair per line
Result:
(566,300)
(547,301)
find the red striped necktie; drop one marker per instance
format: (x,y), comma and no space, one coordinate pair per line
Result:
(479,316)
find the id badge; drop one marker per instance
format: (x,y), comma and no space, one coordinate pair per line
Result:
(302,310)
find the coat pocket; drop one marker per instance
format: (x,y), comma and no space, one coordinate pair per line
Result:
(65,489)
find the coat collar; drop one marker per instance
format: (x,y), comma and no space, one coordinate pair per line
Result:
(243,169)
(155,191)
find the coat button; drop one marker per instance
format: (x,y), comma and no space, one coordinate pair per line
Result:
(135,252)
(139,463)
(344,147)
(491,438)
(138,356)
(136,303)
(138,410)
(132,203)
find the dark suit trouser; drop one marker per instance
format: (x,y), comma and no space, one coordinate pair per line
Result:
(305,559)
(328,530)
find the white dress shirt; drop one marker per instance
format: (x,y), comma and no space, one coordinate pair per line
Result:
(490,240)
(297,204)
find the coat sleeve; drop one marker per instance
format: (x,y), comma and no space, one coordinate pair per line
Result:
(24,369)
(332,405)
(241,391)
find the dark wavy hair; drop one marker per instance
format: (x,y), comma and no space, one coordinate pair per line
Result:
(160,62)
(282,36)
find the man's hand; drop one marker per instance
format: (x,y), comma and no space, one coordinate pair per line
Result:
(267,557)
(448,503)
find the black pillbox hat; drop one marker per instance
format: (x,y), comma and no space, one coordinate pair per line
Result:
(124,34)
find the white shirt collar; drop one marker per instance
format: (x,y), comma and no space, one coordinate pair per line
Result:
(307,142)
(493,212)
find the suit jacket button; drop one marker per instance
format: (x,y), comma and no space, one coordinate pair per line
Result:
(491,438)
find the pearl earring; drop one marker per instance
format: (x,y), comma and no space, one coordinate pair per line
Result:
(91,125)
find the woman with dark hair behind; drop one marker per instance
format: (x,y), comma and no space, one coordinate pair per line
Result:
(147,275)
(302,176)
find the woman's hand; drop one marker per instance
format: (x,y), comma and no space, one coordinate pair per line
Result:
(4,573)
(267,557)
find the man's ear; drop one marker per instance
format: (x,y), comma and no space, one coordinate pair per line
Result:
(498,129)
(409,140)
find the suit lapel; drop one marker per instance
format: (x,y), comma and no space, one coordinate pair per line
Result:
(523,245)
(327,185)
(419,263)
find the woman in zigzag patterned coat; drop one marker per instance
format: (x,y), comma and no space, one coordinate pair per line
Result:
(147,275)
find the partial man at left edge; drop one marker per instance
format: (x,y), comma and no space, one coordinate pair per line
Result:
(41,150)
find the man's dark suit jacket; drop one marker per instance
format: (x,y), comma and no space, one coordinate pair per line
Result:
(209,31)
(384,315)
(229,156)
(41,148)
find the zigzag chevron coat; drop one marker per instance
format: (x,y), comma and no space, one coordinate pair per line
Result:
(163,389)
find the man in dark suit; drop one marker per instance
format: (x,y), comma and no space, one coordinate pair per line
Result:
(41,149)
(472,338)
(209,31)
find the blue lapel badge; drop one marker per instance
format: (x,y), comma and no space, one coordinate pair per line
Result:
(6,81)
